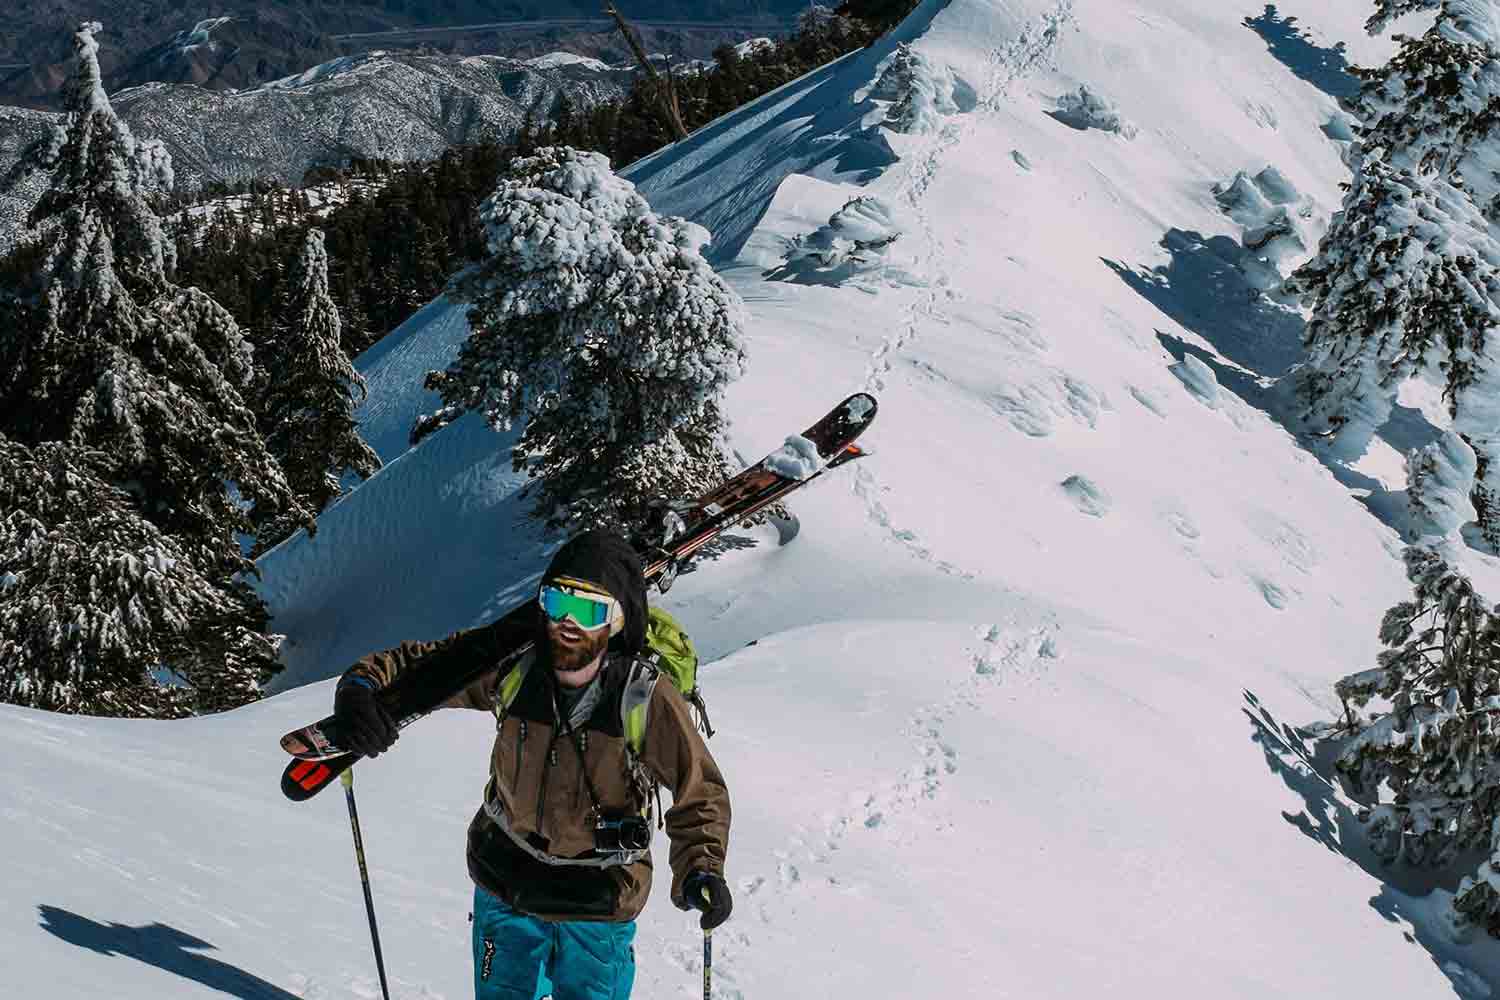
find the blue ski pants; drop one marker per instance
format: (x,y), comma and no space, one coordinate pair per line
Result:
(520,957)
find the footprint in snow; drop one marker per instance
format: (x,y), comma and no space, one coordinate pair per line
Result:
(1088,496)
(1183,525)
(1150,400)
(1274,595)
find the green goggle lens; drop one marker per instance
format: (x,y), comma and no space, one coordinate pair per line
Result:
(589,612)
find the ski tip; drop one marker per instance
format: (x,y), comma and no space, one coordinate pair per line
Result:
(303,779)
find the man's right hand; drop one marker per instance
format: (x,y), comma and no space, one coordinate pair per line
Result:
(364,726)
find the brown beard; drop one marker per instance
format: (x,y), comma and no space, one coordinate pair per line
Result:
(568,658)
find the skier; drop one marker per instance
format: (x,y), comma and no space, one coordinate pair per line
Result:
(559,853)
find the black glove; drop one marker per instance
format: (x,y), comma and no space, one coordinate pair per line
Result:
(364,726)
(710,893)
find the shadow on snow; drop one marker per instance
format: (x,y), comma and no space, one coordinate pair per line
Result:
(167,948)
(1255,343)
(1324,68)
(1328,820)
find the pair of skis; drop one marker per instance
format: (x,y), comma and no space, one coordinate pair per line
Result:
(684,529)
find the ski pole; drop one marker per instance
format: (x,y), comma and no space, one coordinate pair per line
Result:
(708,965)
(364,877)
(708,958)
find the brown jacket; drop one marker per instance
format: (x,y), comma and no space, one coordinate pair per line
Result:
(532,841)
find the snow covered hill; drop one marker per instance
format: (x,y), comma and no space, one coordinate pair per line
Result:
(1010,717)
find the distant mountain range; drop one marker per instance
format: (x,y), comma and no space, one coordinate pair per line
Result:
(398,106)
(238,44)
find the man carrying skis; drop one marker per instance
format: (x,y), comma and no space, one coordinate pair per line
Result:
(559,851)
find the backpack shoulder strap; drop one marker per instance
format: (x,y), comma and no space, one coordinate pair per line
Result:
(635,702)
(510,685)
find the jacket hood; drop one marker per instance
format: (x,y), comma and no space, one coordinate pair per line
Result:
(605,559)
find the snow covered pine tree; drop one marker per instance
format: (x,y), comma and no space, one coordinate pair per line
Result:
(93,597)
(1405,284)
(1407,280)
(143,379)
(309,409)
(599,325)
(1437,744)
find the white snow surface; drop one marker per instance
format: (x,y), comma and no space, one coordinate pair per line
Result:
(553,60)
(983,745)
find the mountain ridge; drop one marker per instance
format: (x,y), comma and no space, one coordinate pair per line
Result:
(382,105)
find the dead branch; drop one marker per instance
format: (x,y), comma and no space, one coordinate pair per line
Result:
(667,90)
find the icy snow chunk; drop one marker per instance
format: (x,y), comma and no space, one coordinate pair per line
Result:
(796,459)
(1277,223)
(1199,380)
(1084,109)
(914,92)
(853,243)
(1276,187)
(1339,128)
(1020,158)
(859,408)
(1440,477)
(1087,495)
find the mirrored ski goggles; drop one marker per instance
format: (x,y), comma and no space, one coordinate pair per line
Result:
(589,609)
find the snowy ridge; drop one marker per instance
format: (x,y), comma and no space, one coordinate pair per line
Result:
(1016,719)
(398,106)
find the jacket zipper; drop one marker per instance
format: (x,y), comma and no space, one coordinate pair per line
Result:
(583,747)
(541,797)
(520,750)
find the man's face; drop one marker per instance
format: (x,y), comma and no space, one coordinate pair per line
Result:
(576,654)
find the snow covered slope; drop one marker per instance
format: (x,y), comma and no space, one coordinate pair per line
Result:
(1013,719)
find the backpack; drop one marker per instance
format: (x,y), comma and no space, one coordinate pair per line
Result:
(669,652)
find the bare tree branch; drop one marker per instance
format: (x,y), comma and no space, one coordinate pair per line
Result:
(666,89)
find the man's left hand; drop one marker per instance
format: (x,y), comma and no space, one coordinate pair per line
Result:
(710,893)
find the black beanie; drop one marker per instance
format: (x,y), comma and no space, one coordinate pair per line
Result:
(606,559)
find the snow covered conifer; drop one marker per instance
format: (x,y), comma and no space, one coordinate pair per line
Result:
(598,325)
(111,356)
(1434,742)
(94,600)
(309,409)
(1407,280)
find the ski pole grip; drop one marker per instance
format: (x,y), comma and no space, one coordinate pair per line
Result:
(348,778)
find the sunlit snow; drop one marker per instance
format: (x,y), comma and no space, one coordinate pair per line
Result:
(1012,715)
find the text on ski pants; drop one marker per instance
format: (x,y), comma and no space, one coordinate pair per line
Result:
(518,957)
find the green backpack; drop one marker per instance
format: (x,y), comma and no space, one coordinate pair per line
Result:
(669,652)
